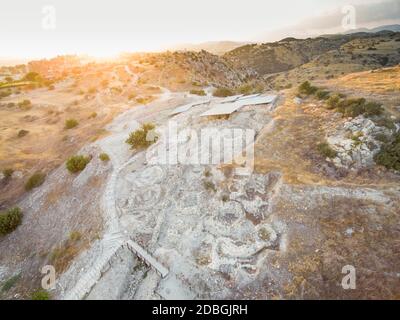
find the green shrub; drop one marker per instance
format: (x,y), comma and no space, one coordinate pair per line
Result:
(10,283)
(223,92)
(352,107)
(389,155)
(7,173)
(143,137)
(373,109)
(104,157)
(333,101)
(35,181)
(382,138)
(245,89)
(307,89)
(77,163)
(71,123)
(10,220)
(22,133)
(198,92)
(40,295)
(325,150)
(209,186)
(322,94)
(385,122)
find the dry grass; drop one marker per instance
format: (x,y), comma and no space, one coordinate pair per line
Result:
(62,256)
(380,81)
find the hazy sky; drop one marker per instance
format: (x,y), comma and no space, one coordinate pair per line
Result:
(28,28)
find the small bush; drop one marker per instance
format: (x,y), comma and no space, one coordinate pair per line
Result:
(25,105)
(77,163)
(75,236)
(22,133)
(382,138)
(333,101)
(10,220)
(198,92)
(223,92)
(225,198)
(307,89)
(10,283)
(325,150)
(352,107)
(245,89)
(373,109)
(389,155)
(322,95)
(93,115)
(71,123)
(143,137)
(7,173)
(40,295)
(209,186)
(62,255)
(104,157)
(385,122)
(35,181)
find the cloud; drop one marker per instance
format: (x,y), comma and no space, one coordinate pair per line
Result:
(367,15)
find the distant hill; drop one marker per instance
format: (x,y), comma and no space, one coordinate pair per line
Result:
(4,61)
(356,52)
(214,47)
(394,28)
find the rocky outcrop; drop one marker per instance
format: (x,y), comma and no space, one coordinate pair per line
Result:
(357,143)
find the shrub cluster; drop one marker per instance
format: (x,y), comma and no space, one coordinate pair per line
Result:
(71,123)
(307,89)
(10,220)
(143,137)
(325,150)
(389,155)
(104,157)
(35,181)
(77,163)
(223,93)
(198,92)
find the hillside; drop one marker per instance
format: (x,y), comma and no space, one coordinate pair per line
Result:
(287,54)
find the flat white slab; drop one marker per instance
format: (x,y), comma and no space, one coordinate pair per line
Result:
(223,109)
(259,100)
(231,99)
(187,107)
(249,96)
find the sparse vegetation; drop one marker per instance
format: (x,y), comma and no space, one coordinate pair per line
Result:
(25,105)
(36,180)
(7,173)
(104,157)
(62,255)
(209,186)
(71,123)
(22,133)
(77,164)
(93,115)
(223,92)
(389,155)
(322,94)
(325,149)
(10,220)
(10,283)
(198,92)
(40,295)
(143,137)
(307,89)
